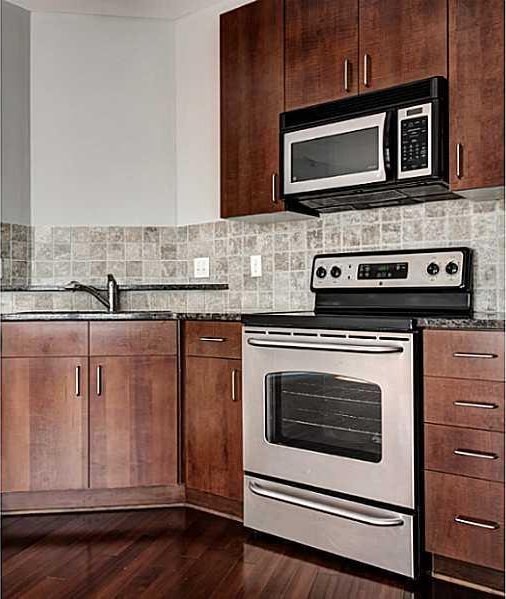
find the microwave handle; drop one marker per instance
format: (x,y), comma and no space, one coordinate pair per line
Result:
(389,146)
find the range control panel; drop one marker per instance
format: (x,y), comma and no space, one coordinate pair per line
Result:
(415,268)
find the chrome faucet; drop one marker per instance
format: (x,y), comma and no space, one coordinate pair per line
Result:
(110,301)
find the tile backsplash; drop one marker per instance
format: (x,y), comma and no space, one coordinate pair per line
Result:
(45,255)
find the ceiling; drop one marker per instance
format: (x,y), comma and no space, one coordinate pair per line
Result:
(162,9)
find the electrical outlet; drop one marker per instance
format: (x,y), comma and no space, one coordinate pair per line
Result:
(256,266)
(201,268)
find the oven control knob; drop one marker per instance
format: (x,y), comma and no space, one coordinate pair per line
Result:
(321,272)
(432,269)
(335,272)
(452,268)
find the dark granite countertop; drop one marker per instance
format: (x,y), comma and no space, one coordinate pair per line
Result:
(478,321)
(125,315)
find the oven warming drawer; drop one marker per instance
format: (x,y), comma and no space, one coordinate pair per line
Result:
(374,536)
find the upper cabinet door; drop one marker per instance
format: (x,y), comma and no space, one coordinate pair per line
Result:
(401,41)
(252,98)
(321,51)
(476,93)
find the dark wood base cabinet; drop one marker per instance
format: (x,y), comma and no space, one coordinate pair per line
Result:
(213,416)
(89,415)
(464,455)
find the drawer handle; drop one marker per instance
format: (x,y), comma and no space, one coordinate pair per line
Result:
(469,453)
(478,523)
(459,354)
(214,339)
(476,404)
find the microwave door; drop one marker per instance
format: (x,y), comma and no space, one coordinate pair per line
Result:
(336,155)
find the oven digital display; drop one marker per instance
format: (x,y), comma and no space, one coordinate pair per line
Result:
(387,270)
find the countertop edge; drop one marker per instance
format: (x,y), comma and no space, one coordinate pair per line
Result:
(477,323)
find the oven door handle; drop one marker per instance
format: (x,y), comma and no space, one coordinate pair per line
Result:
(340,347)
(333,510)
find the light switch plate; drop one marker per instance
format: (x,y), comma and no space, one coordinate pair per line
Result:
(201,268)
(256,266)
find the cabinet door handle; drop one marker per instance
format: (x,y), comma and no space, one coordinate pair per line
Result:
(462,354)
(99,381)
(214,339)
(367,60)
(477,523)
(274,194)
(476,404)
(346,75)
(234,389)
(458,158)
(77,381)
(469,453)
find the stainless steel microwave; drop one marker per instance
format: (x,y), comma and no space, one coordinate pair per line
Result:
(376,149)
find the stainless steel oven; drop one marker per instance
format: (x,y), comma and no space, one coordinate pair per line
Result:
(327,406)
(331,410)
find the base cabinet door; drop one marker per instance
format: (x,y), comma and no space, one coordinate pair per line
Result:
(44,423)
(133,421)
(213,426)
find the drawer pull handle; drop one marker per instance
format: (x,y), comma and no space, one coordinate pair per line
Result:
(459,354)
(469,453)
(213,339)
(478,523)
(476,404)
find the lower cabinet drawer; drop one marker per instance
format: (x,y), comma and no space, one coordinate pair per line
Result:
(464,519)
(367,534)
(462,402)
(466,452)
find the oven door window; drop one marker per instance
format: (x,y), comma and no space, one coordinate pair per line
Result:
(325,413)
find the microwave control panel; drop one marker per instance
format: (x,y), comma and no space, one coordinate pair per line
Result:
(432,268)
(415,137)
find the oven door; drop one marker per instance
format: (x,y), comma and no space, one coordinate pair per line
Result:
(331,410)
(336,155)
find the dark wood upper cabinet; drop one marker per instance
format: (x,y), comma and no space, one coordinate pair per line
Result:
(44,423)
(213,425)
(133,421)
(252,98)
(321,51)
(476,79)
(401,41)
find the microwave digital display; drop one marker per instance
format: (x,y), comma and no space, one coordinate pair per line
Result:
(388,270)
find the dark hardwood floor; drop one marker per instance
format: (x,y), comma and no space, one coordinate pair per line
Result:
(179,553)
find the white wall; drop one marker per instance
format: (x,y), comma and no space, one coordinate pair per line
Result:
(198,114)
(15,205)
(102,120)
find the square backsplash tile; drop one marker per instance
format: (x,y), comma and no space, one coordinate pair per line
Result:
(154,254)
